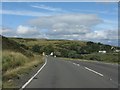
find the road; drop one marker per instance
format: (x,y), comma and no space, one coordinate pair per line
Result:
(59,73)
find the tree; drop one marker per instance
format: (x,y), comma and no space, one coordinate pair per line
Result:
(48,49)
(72,54)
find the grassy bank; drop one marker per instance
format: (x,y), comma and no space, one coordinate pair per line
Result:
(107,58)
(16,64)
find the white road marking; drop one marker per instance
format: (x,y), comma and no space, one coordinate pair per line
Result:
(110,79)
(74,63)
(94,71)
(78,65)
(34,76)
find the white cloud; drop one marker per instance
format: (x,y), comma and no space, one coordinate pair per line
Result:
(66,23)
(25,30)
(23,13)
(74,27)
(46,7)
(103,34)
(7,31)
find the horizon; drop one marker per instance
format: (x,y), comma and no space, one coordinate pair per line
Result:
(62,40)
(83,21)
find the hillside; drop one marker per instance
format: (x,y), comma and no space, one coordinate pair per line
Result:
(8,44)
(63,48)
(15,58)
(81,47)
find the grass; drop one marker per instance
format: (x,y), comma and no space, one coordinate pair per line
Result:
(12,60)
(16,64)
(107,58)
(31,42)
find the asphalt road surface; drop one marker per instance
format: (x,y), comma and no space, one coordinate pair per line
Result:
(59,73)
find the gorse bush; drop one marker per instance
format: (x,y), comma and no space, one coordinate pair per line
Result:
(12,60)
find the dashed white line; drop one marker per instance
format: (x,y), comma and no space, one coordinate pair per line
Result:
(76,64)
(34,76)
(94,71)
(110,79)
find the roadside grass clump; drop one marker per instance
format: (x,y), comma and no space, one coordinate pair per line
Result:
(15,65)
(11,60)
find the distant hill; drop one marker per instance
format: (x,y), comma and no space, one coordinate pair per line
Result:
(64,47)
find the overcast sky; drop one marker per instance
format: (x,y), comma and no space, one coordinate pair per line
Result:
(91,21)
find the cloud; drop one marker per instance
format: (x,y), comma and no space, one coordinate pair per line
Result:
(25,30)
(66,23)
(67,26)
(103,34)
(46,8)
(24,13)
(74,27)
(6,31)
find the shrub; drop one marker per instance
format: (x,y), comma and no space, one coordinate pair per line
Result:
(36,48)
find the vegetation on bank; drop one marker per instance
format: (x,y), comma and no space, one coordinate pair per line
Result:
(16,64)
(17,60)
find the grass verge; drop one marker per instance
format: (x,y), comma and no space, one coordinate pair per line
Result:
(106,58)
(16,64)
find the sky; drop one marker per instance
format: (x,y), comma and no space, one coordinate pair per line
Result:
(85,21)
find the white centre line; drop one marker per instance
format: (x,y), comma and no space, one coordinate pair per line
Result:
(74,63)
(78,65)
(33,76)
(94,71)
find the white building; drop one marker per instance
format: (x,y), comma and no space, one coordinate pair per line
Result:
(51,53)
(102,51)
(117,50)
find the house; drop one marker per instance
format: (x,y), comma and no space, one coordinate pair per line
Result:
(102,51)
(51,53)
(117,50)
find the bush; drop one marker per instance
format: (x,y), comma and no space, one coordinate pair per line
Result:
(36,48)
(48,49)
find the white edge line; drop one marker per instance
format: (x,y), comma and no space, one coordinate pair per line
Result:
(94,71)
(34,75)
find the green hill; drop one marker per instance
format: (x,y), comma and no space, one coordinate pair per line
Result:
(71,49)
